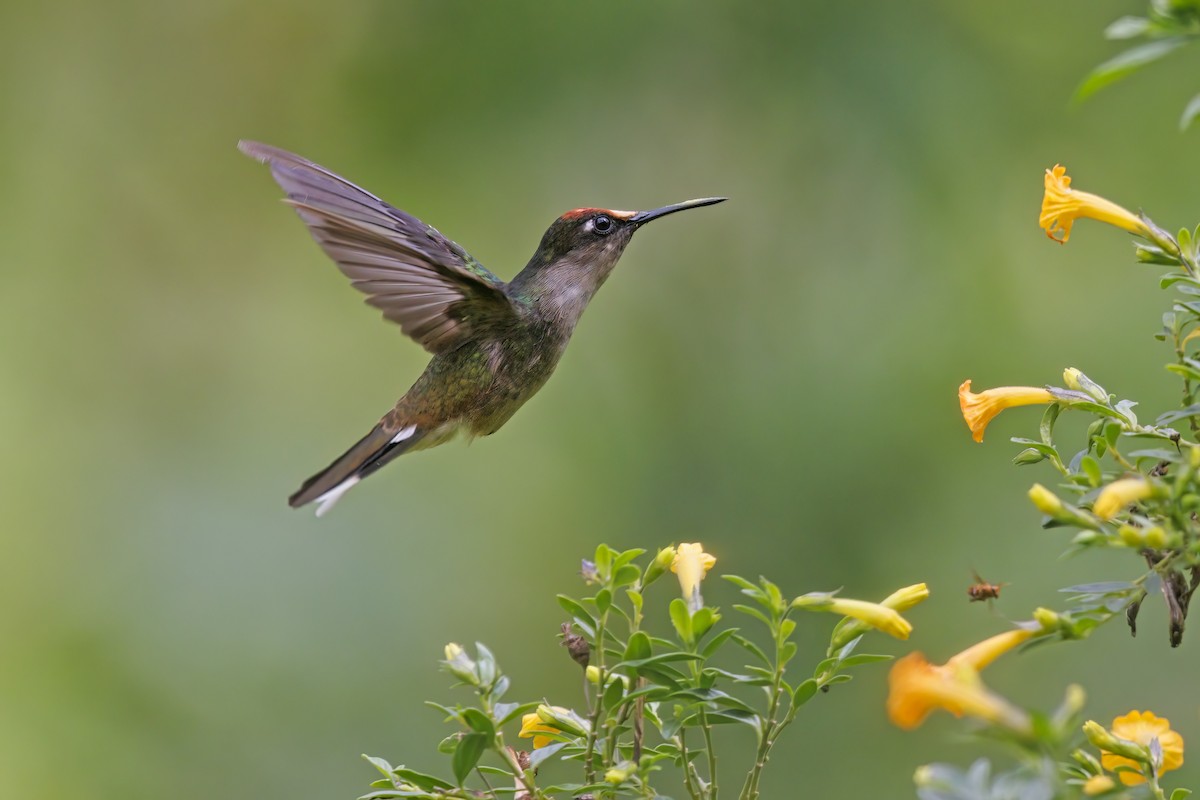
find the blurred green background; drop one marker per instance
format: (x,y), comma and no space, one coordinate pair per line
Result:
(774,377)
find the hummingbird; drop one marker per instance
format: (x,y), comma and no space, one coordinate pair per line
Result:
(493,344)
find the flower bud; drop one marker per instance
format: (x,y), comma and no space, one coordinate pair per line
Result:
(1156,537)
(1132,536)
(460,665)
(1102,738)
(620,773)
(1120,494)
(1098,784)
(1074,379)
(1045,500)
(1048,619)
(561,718)
(661,563)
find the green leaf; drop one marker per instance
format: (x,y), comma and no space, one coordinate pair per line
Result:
(467,754)
(477,721)
(603,600)
(1128,28)
(1125,64)
(752,648)
(380,764)
(542,754)
(754,612)
(1112,432)
(777,603)
(635,599)
(1184,370)
(486,664)
(626,557)
(661,658)
(612,694)
(1046,429)
(735,715)
(429,783)
(638,647)
(1180,793)
(864,658)
(626,575)
(1091,468)
(716,642)
(702,622)
(805,692)
(681,618)
(582,617)
(746,586)
(507,712)
(604,561)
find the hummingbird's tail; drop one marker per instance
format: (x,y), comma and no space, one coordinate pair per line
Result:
(371,452)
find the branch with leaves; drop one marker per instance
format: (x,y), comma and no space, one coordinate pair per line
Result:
(1167,26)
(650,702)
(1129,485)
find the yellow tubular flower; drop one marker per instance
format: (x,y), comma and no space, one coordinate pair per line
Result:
(531,726)
(979,409)
(916,688)
(899,600)
(1062,205)
(691,564)
(876,615)
(1142,727)
(906,598)
(1119,494)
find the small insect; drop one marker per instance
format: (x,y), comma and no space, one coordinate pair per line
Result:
(982,590)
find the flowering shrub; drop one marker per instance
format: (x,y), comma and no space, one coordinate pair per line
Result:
(649,702)
(1129,485)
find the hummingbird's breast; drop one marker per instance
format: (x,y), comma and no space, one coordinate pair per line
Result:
(479,386)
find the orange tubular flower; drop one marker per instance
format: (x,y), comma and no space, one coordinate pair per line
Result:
(1062,205)
(916,687)
(979,409)
(1142,727)
(978,656)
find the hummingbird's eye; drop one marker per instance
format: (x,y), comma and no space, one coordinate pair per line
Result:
(602,224)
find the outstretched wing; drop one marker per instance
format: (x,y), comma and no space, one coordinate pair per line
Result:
(421,280)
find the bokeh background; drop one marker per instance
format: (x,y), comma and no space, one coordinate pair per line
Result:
(774,377)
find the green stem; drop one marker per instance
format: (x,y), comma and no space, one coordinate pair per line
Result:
(594,718)
(712,755)
(750,787)
(690,777)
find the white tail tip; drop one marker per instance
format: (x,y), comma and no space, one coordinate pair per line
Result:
(330,498)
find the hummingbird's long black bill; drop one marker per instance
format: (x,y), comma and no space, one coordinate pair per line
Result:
(642,217)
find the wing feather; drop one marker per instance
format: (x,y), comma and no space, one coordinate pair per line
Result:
(418,278)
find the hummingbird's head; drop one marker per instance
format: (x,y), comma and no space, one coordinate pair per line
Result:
(581,247)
